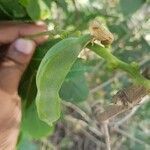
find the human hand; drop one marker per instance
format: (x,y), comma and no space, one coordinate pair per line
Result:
(18,54)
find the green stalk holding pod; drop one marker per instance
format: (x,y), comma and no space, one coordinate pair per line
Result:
(51,74)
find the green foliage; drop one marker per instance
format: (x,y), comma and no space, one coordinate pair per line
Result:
(36,9)
(61,74)
(128,7)
(32,125)
(26,143)
(28,79)
(75,88)
(12,8)
(51,74)
(28,91)
(23,9)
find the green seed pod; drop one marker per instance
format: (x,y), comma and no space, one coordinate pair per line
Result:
(51,74)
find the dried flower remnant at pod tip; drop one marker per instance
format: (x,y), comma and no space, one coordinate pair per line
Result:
(100,33)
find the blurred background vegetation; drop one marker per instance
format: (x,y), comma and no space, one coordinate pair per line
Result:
(91,82)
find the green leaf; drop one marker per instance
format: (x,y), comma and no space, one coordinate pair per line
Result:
(32,125)
(3,14)
(128,7)
(121,29)
(25,143)
(12,8)
(78,68)
(42,49)
(24,2)
(28,91)
(51,74)
(27,87)
(62,4)
(75,88)
(36,9)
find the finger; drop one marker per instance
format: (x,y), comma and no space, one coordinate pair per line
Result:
(3,51)
(17,59)
(10,31)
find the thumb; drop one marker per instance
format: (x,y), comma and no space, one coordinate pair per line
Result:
(16,60)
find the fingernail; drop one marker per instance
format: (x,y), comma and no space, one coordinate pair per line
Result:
(24,46)
(40,23)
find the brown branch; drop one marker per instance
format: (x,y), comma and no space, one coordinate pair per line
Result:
(124,100)
(77,109)
(80,125)
(130,136)
(106,134)
(131,113)
(135,94)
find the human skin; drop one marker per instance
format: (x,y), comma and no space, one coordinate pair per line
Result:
(18,54)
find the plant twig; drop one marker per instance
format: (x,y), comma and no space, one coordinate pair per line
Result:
(106,134)
(47,144)
(132,112)
(32,36)
(83,126)
(130,136)
(135,94)
(77,109)
(125,99)
(101,86)
(85,117)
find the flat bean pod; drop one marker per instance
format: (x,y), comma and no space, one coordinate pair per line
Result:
(51,74)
